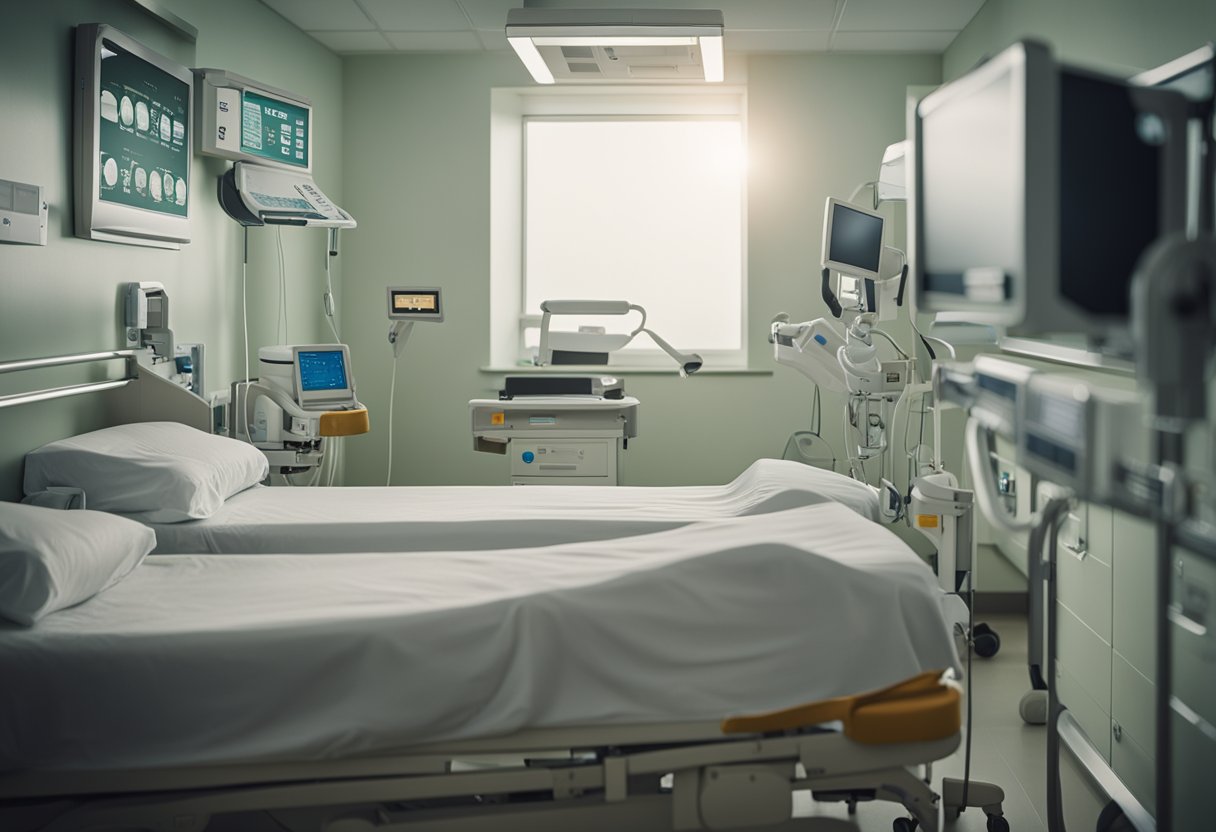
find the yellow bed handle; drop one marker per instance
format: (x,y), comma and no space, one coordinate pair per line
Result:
(920,709)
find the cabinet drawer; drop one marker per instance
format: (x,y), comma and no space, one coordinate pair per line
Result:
(1132,704)
(1085,588)
(1135,768)
(1094,721)
(1086,656)
(1193,634)
(1134,631)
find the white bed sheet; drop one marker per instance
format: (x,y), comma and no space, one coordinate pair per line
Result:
(414,519)
(217,659)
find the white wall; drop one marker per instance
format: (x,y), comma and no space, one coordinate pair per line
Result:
(64,297)
(818,125)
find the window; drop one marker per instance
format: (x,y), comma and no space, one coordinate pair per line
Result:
(637,197)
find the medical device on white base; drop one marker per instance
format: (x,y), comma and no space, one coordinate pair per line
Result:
(811,348)
(305,395)
(268,133)
(556,440)
(591,345)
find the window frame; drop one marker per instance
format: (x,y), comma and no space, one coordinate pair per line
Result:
(604,104)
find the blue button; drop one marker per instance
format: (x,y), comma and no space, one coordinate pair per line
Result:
(528,457)
(821,339)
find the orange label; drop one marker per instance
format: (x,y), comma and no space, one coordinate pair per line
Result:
(926,521)
(499,418)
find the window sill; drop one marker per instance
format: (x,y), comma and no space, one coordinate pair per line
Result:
(617,370)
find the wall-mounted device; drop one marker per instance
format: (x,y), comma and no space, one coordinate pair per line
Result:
(22,213)
(146,314)
(131,141)
(407,305)
(268,133)
(869,279)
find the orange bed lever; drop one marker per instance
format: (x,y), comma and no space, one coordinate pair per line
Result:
(918,709)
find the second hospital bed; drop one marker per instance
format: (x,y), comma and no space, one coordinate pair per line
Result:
(140,469)
(219,674)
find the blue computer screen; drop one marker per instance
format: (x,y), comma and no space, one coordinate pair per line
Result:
(322,370)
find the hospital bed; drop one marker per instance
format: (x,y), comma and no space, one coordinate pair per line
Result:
(181,482)
(368,689)
(420,518)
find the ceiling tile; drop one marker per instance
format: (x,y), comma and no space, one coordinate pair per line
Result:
(434,41)
(892,41)
(416,15)
(769,40)
(906,16)
(492,39)
(489,14)
(773,14)
(345,43)
(323,15)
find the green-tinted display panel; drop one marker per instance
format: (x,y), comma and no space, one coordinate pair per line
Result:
(145,161)
(274,129)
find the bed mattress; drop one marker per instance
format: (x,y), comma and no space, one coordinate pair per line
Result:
(217,659)
(414,519)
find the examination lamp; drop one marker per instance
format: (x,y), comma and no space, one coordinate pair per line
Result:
(592,346)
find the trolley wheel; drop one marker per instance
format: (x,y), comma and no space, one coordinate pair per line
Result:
(904,825)
(997,823)
(985,641)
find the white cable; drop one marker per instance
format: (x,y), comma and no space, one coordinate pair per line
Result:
(278,230)
(392,389)
(328,300)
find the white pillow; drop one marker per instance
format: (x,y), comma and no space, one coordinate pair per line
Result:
(157,472)
(51,559)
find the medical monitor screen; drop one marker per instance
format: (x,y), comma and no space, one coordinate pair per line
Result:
(855,239)
(416,302)
(322,370)
(143,141)
(411,303)
(274,129)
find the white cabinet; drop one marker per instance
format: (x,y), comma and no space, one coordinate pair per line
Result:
(1106,647)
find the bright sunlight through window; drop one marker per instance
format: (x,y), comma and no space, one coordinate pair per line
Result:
(648,210)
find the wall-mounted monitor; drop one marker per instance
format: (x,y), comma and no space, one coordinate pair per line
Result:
(1036,188)
(248,121)
(131,141)
(411,304)
(852,239)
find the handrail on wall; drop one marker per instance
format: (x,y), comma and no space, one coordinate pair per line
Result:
(130,374)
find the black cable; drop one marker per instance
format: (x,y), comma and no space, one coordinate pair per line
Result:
(817,413)
(970,649)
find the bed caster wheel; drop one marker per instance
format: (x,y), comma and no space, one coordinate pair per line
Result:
(985,641)
(904,825)
(1033,707)
(997,823)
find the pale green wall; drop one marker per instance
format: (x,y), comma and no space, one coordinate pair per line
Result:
(64,297)
(1121,36)
(419,183)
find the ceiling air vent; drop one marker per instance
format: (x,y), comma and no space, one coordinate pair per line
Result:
(618,45)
